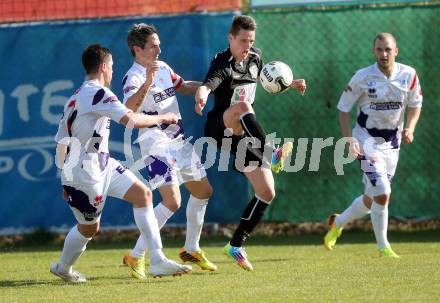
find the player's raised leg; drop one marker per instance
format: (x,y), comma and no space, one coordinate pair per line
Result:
(241,119)
(358,209)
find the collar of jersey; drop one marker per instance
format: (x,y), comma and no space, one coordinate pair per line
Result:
(138,66)
(394,74)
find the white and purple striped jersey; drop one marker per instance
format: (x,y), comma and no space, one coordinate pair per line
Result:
(381,102)
(160,99)
(86,118)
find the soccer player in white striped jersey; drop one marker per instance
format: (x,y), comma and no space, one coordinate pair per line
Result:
(89,174)
(381,93)
(150,88)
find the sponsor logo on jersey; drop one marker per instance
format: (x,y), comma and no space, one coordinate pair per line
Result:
(239,95)
(372,93)
(386,106)
(120,169)
(244,93)
(98,200)
(165,94)
(371,83)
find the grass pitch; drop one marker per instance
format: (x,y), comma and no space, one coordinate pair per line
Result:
(286,269)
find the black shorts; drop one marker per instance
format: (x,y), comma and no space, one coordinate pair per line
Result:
(215,128)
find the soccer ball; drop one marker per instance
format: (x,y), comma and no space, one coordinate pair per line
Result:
(276,77)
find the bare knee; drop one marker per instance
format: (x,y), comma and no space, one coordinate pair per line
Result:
(173,204)
(207,191)
(382,199)
(88,231)
(145,198)
(367,201)
(139,195)
(266,194)
(203,192)
(244,107)
(233,113)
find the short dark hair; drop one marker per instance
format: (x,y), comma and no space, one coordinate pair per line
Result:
(93,56)
(138,35)
(242,22)
(383,36)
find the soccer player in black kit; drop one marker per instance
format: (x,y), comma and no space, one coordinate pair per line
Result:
(232,77)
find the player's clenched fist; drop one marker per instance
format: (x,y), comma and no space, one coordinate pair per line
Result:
(355,150)
(170,118)
(151,70)
(407,136)
(299,85)
(201,98)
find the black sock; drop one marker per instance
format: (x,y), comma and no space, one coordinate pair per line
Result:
(253,129)
(252,215)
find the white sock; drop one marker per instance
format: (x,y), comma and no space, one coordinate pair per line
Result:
(356,210)
(379,218)
(195,216)
(162,214)
(74,245)
(147,224)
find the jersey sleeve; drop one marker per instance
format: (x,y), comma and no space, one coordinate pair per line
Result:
(260,60)
(62,136)
(62,125)
(415,96)
(217,73)
(131,85)
(351,94)
(105,103)
(175,78)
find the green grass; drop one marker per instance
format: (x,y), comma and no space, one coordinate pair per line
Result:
(286,269)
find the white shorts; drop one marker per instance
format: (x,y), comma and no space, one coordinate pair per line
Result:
(378,171)
(87,195)
(173,166)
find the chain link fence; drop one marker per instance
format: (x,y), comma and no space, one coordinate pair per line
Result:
(326,47)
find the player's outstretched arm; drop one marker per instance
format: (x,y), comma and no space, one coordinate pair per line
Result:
(411,122)
(299,85)
(132,120)
(201,98)
(189,88)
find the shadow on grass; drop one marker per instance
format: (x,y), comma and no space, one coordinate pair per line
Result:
(59,282)
(29,283)
(348,237)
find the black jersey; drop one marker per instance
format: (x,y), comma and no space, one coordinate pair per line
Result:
(232,82)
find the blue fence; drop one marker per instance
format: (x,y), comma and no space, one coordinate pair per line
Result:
(41,68)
